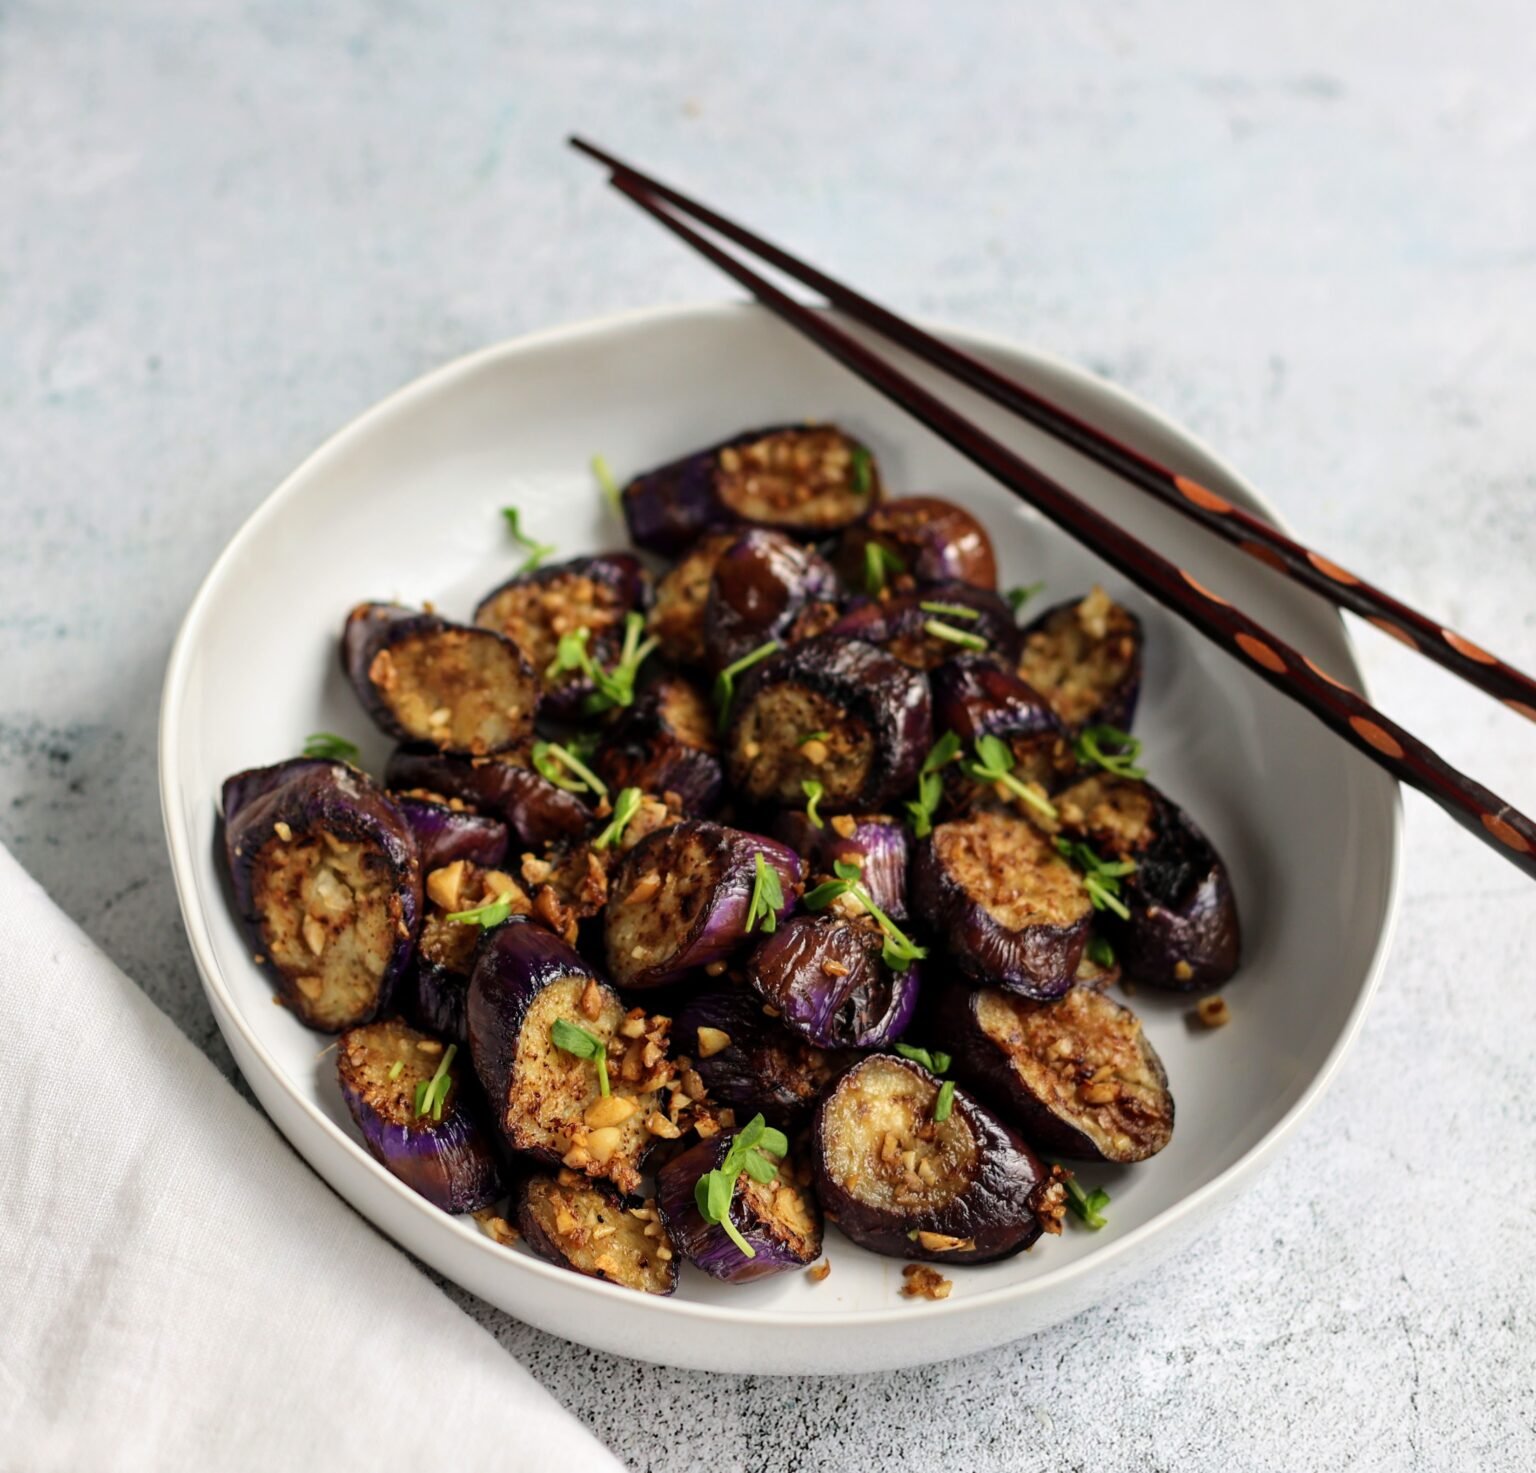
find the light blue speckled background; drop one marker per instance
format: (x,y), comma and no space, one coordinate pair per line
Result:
(1309,231)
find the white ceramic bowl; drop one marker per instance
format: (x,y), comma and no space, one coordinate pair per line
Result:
(405,503)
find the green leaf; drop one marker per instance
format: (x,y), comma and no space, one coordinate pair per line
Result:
(945,1102)
(846,869)
(1018,597)
(332,748)
(814,736)
(395,1068)
(491,914)
(917,1056)
(824,894)
(1087,1206)
(813,791)
(572,1038)
(760,1168)
(1108,747)
(1101,878)
(962,637)
(879,564)
(625,807)
(861,470)
(725,681)
(767,897)
(994,764)
(954,611)
(549,758)
(1099,951)
(606,482)
(431,1093)
(775,1142)
(537,551)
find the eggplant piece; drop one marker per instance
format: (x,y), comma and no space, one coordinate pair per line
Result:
(682,897)
(751,1063)
(1016,914)
(761,585)
(676,619)
(966,1189)
(448,829)
(779,1219)
(928,627)
(445,1154)
(533,808)
(534,609)
(932,540)
(665,743)
(548,1102)
(1183,933)
(975,697)
(875,842)
(423,679)
(1077,1076)
(867,713)
(809,480)
(1085,658)
(587,1227)
(825,975)
(327,886)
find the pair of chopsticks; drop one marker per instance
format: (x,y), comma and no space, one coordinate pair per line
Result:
(1343,710)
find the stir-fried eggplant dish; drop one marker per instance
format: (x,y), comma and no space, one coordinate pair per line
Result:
(776,874)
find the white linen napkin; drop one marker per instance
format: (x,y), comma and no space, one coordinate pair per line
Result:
(179,1291)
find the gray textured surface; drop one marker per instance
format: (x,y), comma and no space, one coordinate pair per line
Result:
(1309,234)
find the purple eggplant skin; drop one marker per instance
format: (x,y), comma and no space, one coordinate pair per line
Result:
(445,833)
(901,624)
(1085,657)
(761,584)
(784,1231)
(875,712)
(481,679)
(532,807)
(1184,934)
(1014,912)
(533,609)
(681,900)
(975,697)
(866,1005)
(875,842)
(665,743)
(1032,1062)
(990,1196)
(935,541)
(808,480)
(451,1162)
(628,1254)
(764,1068)
(300,838)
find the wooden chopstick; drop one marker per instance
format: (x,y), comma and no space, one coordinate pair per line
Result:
(1343,710)
(1211,510)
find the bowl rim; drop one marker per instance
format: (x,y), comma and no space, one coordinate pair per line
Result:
(228,1014)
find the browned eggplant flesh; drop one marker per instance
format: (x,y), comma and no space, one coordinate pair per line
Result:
(587,1227)
(1085,659)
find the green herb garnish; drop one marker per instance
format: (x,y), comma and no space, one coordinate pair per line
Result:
(962,637)
(930,785)
(767,897)
(814,736)
(625,807)
(606,482)
(395,1068)
(332,747)
(1089,1206)
(879,562)
(615,687)
(431,1094)
(945,1102)
(537,551)
(861,470)
(1099,952)
(994,764)
(813,791)
(952,611)
(934,1061)
(713,1191)
(570,1038)
(493,913)
(899,951)
(1123,751)
(1101,877)
(1018,597)
(565,769)
(725,681)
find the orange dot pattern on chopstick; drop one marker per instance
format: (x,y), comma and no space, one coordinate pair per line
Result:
(1467,648)
(1200,588)
(1318,670)
(1529,712)
(1382,740)
(1506,833)
(1401,635)
(1202,496)
(1330,569)
(1262,552)
(1260,653)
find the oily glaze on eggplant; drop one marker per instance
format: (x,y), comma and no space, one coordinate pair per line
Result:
(676,618)
(444,1154)
(751,1062)
(875,842)
(547,1102)
(1077,1076)
(975,697)
(533,808)
(665,743)
(681,899)
(448,829)
(1015,913)
(534,609)
(327,886)
(825,975)
(868,713)
(964,1190)
(926,629)
(932,541)
(778,1218)
(1183,932)
(808,480)
(587,1227)
(423,679)
(1085,658)
(761,585)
